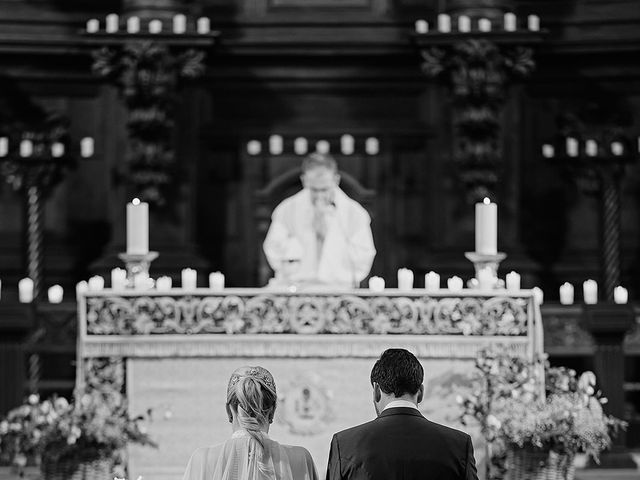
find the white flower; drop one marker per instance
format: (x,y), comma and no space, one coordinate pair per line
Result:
(71,440)
(61,403)
(33,399)
(493,422)
(4,427)
(586,380)
(459,399)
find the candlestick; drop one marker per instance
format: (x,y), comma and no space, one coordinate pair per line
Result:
(444,23)
(118,278)
(137,227)
(163,284)
(432,281)
(96,283)
(216,281)
(486,227)
(572,147)
(617,148)
(620,295)
(189,279)
(590,291)
(57,149)
(510,22)
(25,290)
(405,279)
(276,145)
(155,26)
(484,25)
(533,22)
(133,24)
(93,25)
(203,25)
(55,294)
(26,148)
(300,146)
(376,284)
(422,26)
(454,284)
(464,24)
(142,281)
(4,146)
(372,146)
(347,144)
(112,23)
(254,147)
(138,264)
(566,294)
(513,281)
(179,24)
(323,147)
(591,148)
(548,151)
(486,278)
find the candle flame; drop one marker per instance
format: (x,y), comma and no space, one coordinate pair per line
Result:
(486,201)
(136,201)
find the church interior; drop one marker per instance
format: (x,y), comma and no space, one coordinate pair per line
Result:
(203,110)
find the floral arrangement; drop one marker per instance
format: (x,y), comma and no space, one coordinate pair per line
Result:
(96,426)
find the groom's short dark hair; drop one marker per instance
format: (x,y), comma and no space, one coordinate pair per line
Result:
(398,371)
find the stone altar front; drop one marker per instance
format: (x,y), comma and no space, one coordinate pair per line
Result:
(174,351)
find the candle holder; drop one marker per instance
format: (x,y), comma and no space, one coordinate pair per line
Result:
(484,260)
(137,264)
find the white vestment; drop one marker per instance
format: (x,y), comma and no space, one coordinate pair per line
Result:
(347,251)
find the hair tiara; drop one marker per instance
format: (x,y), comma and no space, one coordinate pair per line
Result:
(253,372)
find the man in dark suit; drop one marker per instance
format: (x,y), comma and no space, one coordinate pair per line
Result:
(400,443)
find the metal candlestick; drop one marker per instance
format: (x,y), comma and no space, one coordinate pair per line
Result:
(485,260)
(137,264)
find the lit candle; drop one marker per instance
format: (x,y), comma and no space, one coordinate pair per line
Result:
(137,227)
(566,294)
(372,146)
(216,281)
(538,295)
(533,22)
(155,26)
(486,278)
(591,148)
(454,284)
(464,23)
(347,144)
(26,148)
(405,279)
(444,23)
(620,295)
(93,25)
(300,146)
(118,278)
(484,25)
(25,290)
(57,149)
(179,23)
(422,26)
(133,25)
(276,145)
(163,283)
(323,147)
(86,147)
(486,227)
(590,291)
(112,23)
(55,294)
(376,284)
(617,148)
(189,279)
(81,287)
(203,25)
(4,146)
(513,281)
(96,283)
(432,281)
(572,147)
(510,22)
(254,147)
(548,151)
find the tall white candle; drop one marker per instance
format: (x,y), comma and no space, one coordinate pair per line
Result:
(137,227)
(300,146)
(118,278)
(533,22)
(376,284)
(548,151)
(566,294)
(572,147)
(454,284)
(617,148)
(133,24)
(203,25)
(179,23)
(26,148)
(372,146)
(189,279)
(93,25)
(510,22)
(216,281)
(513,281)
(112,23)
(422,26)
(405,279)
(86,147)
(620,295)
(591,148)
(55,294)
(444,23)
(276,145)
(254,147)
(347,144)
(25,290)
(57,149)
(486,227)
(4,146)
(484,25)
(590,291)
(464,24)
(322,146)
(155,26)
(432,281)
(96,283)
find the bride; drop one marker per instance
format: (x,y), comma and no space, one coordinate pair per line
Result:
(250,454)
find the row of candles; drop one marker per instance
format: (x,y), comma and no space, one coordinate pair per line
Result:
(591,148)
(178,25)
(510,23)
(301,145)
(28,147)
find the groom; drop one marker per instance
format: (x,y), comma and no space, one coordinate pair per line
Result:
(400,443)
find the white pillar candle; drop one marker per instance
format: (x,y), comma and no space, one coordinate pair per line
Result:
(155,26)
(118,278)
(510,22)
(538,295)
(432,281)
(276,145)
(189,279)
(444,23)
(405,279)
(25,290)
(57,149)
(422,26)
(347,144)
(96,283)
(548,151)
(454,284)
(26,148)
(572,147)
(163,284)
(86,147)
(203,25)
(4,146)
(590,291)
(216,281)
(486,278)
(513,281)
(372,146)
(464,24)
(566,294)
(55,294)
(620,295)
(617,149)
(486,227)
(591,148)
(300,146)
(254,147)
(81,287)
(376,284)
(93,25)
(111,25)
(133,24)
(179,23)
(484,25)
(137,227)
(323,147)
(533,22)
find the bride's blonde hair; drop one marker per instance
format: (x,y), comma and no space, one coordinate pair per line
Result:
(252,394)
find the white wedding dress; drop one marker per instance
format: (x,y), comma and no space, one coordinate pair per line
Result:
(242,458)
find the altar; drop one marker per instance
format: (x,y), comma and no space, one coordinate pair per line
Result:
(173,352)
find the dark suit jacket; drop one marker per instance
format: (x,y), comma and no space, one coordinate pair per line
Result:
(401,444)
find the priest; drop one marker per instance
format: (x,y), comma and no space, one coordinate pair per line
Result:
(320,236)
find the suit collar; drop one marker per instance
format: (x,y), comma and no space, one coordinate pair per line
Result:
(400,411)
